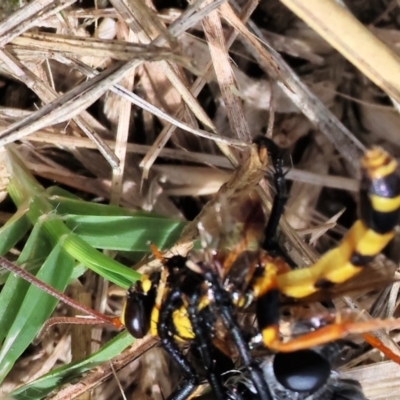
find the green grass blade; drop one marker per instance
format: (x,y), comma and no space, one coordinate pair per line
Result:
(35,308)
(24,189)
(13,231)
(103,265)
(125,233)
(56,191)
(36,248)
(66,205)
(44,385)
(65,229)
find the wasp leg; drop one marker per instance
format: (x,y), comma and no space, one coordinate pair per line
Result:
(223,304)
(165,327)
(281,196)
(377,344)
(266,292)
(329,333)
(201,324)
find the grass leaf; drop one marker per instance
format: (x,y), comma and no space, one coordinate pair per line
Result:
(35,308)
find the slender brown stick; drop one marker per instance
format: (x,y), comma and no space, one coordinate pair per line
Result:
(100,318)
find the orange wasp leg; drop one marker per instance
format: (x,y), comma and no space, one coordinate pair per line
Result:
(321,336)
(377,344)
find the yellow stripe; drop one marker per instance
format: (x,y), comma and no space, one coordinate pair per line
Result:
(335,265)
(182,324)
(342,274)
(267,280)
(270,335)
(378,163)
(204,302)
(301,282)
(372,243)
(154,321)
(147,284)
(383,204)
(122,316)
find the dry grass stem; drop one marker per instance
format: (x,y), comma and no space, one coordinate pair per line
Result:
(347,35)
(153,105)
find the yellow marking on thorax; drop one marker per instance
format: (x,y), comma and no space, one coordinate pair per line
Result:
(146,283)
(182,324)
(155,313)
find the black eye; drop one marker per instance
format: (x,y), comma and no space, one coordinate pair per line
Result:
(301,371)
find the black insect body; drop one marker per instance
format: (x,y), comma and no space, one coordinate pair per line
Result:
(197,295)
(301,375)
(183,315)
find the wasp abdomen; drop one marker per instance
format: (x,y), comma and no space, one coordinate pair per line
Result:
(379,191)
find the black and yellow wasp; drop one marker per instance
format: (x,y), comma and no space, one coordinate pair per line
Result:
(190,297)
(200,300)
